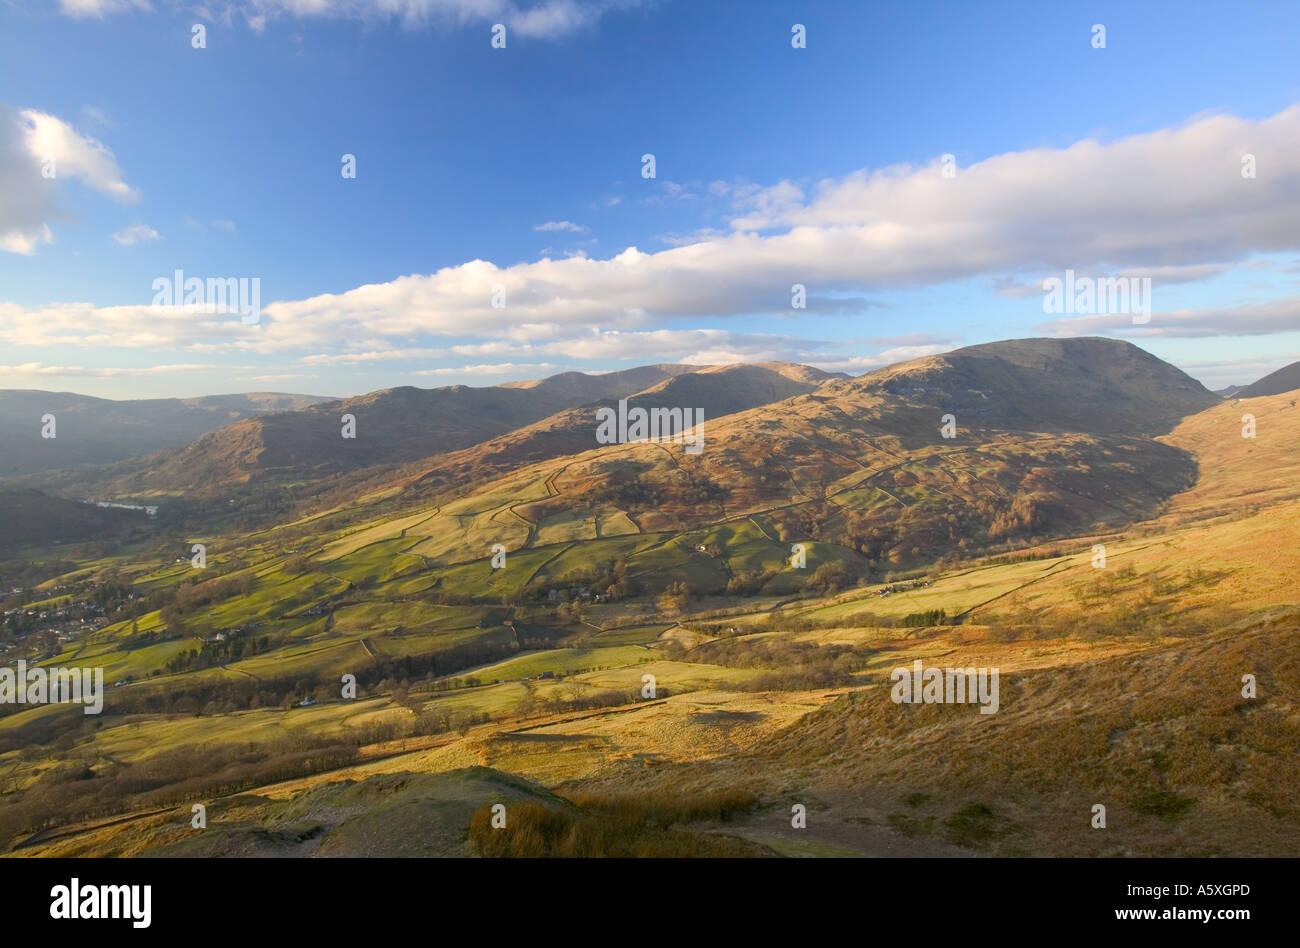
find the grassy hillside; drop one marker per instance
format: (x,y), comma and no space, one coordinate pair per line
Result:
(1121,682)
(253,459)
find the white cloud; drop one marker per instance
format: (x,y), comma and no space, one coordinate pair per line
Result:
(765,207)
(527,18)
(37,152)
(282,377)
(696,346)
(561,226)
(26,241)
(514,369)
(75,155)
(857,365)
(98,9)
(136,234)
(39,369)
(228,226)
(669,192)
(376,355)
(914,339)
(1250,319)
(694,237)
(1159,276)
(685,345)
(1172,199)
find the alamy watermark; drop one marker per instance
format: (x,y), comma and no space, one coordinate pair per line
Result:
(242,295)
(917,685)
(678,425)
(1087,296)
(75,900)
(37,685)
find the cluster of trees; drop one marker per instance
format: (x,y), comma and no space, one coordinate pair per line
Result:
(611,582)
(672,601)
(297,565)
(213,652)
(137,639)
(921,620)
(683,490)
(72,790)
(422,722)
(626,490)
(1028,514)
(1023,557)
(938,525)
(752,582)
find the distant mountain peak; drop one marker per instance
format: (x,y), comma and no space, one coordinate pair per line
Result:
(1285,379)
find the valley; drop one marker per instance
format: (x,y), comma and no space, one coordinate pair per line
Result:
(648,673)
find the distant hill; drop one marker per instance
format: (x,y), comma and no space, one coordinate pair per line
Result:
(1285,379)
(33,518)
(717,390)
(581,387)
(770,585)
(725,389)
(1084,384)
(402,425)
(1051,435)
(90,431)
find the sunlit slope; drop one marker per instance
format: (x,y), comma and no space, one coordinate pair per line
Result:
(713,390)
(1184,764)
(583,513)
(1237,472)
(1196,589)
(1223,550)
(864,464)
(1208,572)
(392,426)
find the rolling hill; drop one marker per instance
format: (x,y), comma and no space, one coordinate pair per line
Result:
(1121,684)
(92,431)
(861,463)
(476,430)
(717,390)
(1285,379)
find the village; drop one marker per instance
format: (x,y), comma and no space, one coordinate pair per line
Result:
(39,633)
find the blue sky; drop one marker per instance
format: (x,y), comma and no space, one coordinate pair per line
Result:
(774,165)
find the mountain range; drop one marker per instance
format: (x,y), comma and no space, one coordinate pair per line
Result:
(655,651)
